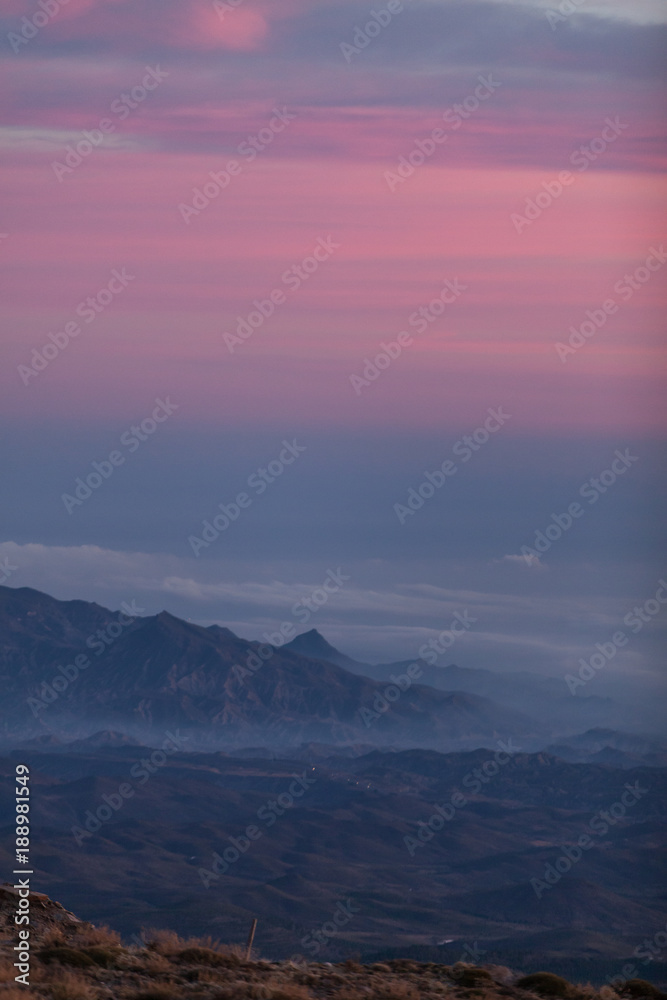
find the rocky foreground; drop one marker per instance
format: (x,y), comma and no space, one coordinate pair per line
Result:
(71,959)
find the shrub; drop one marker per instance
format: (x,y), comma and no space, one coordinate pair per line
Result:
(352,965)
(68,986)
(53,936)
(206,956)
(639,988)
(164,942)
(291,991)
(151,964)
(66,956)
(102,956)
(546,984)
(165,992)
(89,937)
(395,990)
(402,965)
(470,975)
(501,974)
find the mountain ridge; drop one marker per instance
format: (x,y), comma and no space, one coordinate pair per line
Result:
(153,672)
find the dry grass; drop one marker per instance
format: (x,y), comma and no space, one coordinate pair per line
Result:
(396,990)
(164,942)
(7,970)
(161,992)
(206,950)
(53,937)
(86,963)
(66,985)
(154,964)
(102,937)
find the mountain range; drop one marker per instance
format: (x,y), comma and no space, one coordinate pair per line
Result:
(282,782)
(547,699)
(75,668)
(176,850)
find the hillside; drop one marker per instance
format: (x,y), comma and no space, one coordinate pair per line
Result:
(543,698)
(72,959)
(73,668)
(157,860)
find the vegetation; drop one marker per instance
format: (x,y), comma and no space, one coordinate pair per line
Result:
(637,988)
(89,963)
(546,984)
(73,960)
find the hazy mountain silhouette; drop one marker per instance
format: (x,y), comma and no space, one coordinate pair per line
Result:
(544,698)
(159,672)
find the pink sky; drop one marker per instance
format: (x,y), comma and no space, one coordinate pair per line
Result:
(323,176)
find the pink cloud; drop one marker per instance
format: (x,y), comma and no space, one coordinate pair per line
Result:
(193,281)
(201,27)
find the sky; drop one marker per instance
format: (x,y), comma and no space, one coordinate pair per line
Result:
(218,216)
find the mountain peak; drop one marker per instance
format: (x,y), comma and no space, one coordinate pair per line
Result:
(165,616)
(314,636)
(313,643)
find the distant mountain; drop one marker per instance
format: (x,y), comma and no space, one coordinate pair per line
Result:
(606,746)
(345,838)
(314,645)
(545,698)
(36,625)
(76,668)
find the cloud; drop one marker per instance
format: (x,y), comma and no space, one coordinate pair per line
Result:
(544,632)
(525,562)
(427,38)
(29,139)
(243,30)
(89,571)
(639,11)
